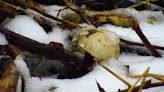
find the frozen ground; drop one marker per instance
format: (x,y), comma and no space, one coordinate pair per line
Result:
(26,26)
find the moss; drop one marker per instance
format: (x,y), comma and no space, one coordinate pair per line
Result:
(72,17)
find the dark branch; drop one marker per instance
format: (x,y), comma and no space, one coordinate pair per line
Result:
(144,39)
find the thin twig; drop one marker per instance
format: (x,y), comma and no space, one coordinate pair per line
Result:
(139,44)
(23,85)
(147,85)
(142,84)
(147,44)
(157,76)
(132,87)
(99,87)
(141,3)
(116,75)
(68,23)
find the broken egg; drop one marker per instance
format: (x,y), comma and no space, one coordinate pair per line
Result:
(100,43)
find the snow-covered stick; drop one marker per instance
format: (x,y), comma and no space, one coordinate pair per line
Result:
(23,85)
(31,5)
(74,66)
(146,43)
(11,8)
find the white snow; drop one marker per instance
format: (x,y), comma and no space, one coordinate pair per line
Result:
(141,16)
(26,26)
(154,32)
(137,64)
(56,34)
(24,72)
(86,83)
(54,10)
(3,40)
(155,67)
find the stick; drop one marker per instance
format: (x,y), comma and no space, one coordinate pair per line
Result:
(116,75)
(144,39)
(18,10)
(147,85)
(157,76)
(74,65)
(139,44)
(132,87)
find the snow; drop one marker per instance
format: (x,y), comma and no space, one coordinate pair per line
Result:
(80,84)
(137,66)
(154,32)
(87,83)
(155,67)
(54,10)
(55,36)
(141,16)
(157,89)
(24,71)
(26,26)
(3,40)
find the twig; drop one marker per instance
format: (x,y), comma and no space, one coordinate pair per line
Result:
(160,77)
(139,44)
(141,3)
(116,75)
(146,43)
(142,84)
(147,85)
(132,87)
(39,11)
(74,65)
(99,87)
(68,23)
(23,85)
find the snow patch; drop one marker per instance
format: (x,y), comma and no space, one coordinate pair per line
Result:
(60,36)
(3,40)
(26,26)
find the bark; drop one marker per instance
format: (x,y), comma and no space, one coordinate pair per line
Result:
(146,43)
(8,75)
(73,65)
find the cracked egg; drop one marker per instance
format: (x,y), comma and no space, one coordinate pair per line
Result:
(100,43)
